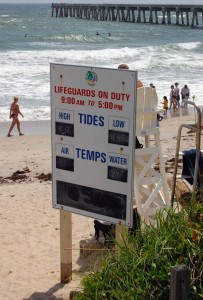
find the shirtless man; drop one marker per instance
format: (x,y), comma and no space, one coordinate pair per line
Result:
(14,112)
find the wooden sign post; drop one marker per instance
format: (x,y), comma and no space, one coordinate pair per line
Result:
(66,245)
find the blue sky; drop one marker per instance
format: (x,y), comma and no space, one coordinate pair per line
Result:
(194,2)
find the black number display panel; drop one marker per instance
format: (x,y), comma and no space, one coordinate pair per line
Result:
(118,138)
(91,200)
(64,129)
(64,163)
(117,174)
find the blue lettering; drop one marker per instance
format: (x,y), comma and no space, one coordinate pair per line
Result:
(103,157)
(91,120)
(78,150)
(80,117)
(111,159)
(118,160)
(91,155)
(97,155)
(83,154)
(118,123)
(64,116)
(64,150)
(101,121)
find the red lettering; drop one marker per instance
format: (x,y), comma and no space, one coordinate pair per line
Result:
(74,91)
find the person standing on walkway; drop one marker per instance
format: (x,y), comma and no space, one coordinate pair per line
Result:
(14,112)
(177,94)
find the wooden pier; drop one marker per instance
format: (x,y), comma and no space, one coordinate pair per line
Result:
(187,15)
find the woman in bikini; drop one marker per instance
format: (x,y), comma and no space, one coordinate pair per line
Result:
(14,112)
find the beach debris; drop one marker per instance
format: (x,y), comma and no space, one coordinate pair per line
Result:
(26,170)
(15,176)
(169,165)
(19,175)
(44,177)
(3,180)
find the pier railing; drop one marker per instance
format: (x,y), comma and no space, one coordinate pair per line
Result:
(187,15)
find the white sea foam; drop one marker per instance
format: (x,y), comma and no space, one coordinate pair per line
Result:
(161,54)
(190,46)
(27,73)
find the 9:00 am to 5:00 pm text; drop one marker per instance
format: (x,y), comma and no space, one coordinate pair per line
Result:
(100,104)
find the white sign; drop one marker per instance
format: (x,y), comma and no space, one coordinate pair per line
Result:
(93,141)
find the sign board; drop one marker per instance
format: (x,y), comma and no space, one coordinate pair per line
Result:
(93,141)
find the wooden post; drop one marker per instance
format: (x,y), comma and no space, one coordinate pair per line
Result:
(180,283)
(121,232)
(65,245)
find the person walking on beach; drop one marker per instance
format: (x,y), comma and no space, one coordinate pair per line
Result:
(14,112)
(185,93)
(172,98)
(177,94)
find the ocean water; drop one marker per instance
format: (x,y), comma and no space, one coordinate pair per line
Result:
(30,39)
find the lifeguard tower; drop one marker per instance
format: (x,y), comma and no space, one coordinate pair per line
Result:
(150,184)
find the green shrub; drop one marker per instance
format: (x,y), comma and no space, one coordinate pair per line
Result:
(140,269)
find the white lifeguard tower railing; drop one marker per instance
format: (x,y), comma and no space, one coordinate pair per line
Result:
(151,191)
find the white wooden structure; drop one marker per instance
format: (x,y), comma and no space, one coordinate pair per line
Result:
(150,185)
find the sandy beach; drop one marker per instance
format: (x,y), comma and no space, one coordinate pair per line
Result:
(29,236)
